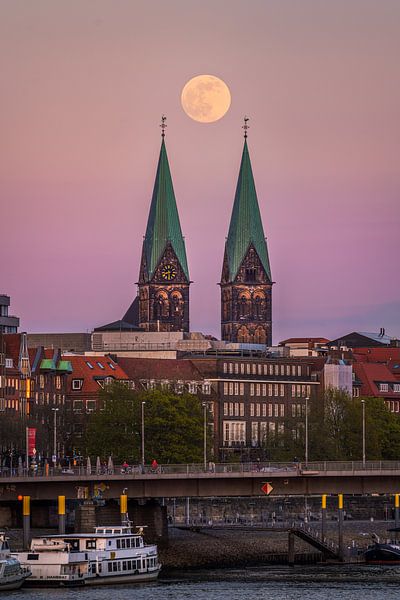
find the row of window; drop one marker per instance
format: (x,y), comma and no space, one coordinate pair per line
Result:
(234,432)
(264,369)
(236,388)
(100,365)
(179,387)
(43,379)
(385,387)
(128,543)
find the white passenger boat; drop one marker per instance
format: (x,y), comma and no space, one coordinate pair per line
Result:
(12,574)
(53,563)
(112,554)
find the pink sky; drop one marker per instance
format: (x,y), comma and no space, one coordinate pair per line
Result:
(83,85)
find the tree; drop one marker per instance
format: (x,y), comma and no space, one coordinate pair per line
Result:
(173,426)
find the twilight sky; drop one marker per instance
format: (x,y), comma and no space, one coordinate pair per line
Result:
(82,88)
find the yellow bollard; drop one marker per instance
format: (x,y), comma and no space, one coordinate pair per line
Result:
(123,507)
(26,519)
(61,514)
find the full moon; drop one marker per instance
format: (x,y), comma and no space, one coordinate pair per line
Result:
(206,98)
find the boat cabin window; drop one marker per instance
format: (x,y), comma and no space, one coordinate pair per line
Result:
(33,556)
(90,544)
(74,545)
(118,543)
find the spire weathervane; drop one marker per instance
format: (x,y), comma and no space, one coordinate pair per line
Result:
(163,125)
(245,126)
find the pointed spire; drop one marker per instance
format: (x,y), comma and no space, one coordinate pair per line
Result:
(163,225)
(246,225)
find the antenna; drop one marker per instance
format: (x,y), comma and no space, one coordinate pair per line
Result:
(163,125)
(245,126)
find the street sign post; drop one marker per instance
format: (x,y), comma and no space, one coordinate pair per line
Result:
(267,488)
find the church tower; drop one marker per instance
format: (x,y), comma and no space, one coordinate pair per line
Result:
(246,282)
(164,275)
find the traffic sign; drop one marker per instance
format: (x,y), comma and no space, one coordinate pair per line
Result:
(267,488)
(34,452)
(54,458)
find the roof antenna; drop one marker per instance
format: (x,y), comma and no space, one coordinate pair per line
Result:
(163,126)
(245,126)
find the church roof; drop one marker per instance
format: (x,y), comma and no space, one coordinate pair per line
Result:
(163,225)
(246,226)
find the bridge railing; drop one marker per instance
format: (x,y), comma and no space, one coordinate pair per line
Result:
(262,468)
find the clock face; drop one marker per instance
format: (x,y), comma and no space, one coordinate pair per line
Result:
(168,272)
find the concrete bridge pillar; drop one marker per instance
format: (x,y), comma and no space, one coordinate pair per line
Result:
(291,549)
(85,517)
(154,517)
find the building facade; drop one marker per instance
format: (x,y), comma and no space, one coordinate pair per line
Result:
(8,323)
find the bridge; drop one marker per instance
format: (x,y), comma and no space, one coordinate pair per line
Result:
(224,480)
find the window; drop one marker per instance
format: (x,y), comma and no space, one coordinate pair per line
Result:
(178,387)
(100,365)
(89,364)
(252,409)
(78,405)
(260,369)
(242,368)
(282,389)
(231,388)
(293,391)
(252,389)
(58,382)
(225,368)
(206,388)
(396,387)
(236,389)
(293,410)
(276,389)
(254,434)
(225,409)
(282,410)
(248,368)
(276,369)
(258,389)
(77,384)
(293,371)
(9,363)
(276,410)
(192,387)
(236,409)
(264,409)
(225,388)
(299,370)
(282,370)
(383,387)
(41,381)
(254,369)
(270,389)
(91,405)
(270,410)
(264,389)
(230,367)
(241,389)
(231,409)
(258,413)
(234,432)
(111,366)
(288,370)
(236,368)
(356,392)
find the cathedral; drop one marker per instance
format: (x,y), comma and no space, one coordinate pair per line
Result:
(162,304)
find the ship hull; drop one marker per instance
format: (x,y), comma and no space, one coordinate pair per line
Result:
(383,554)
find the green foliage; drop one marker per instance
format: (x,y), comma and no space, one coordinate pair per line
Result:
(173,426)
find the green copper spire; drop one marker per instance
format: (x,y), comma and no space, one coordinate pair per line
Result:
(163,225)
(246,226)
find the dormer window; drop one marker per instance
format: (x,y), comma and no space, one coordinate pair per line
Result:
(383,387)
(77,384)
(89,364)
(100,365)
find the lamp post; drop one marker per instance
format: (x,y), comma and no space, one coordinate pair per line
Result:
(363,432)
(306,449)
(143,403)
(205,434)
(55,410)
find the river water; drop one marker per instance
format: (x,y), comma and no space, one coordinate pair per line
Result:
(264,583)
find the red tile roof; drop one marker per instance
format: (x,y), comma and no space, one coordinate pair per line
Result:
(82,370)
(153,368)
(371,374)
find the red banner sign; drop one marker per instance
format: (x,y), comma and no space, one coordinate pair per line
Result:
(31,441)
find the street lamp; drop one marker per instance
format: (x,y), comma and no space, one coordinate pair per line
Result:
(306,449)
(363,432)
(204,404)
(55,435)
(143,403)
